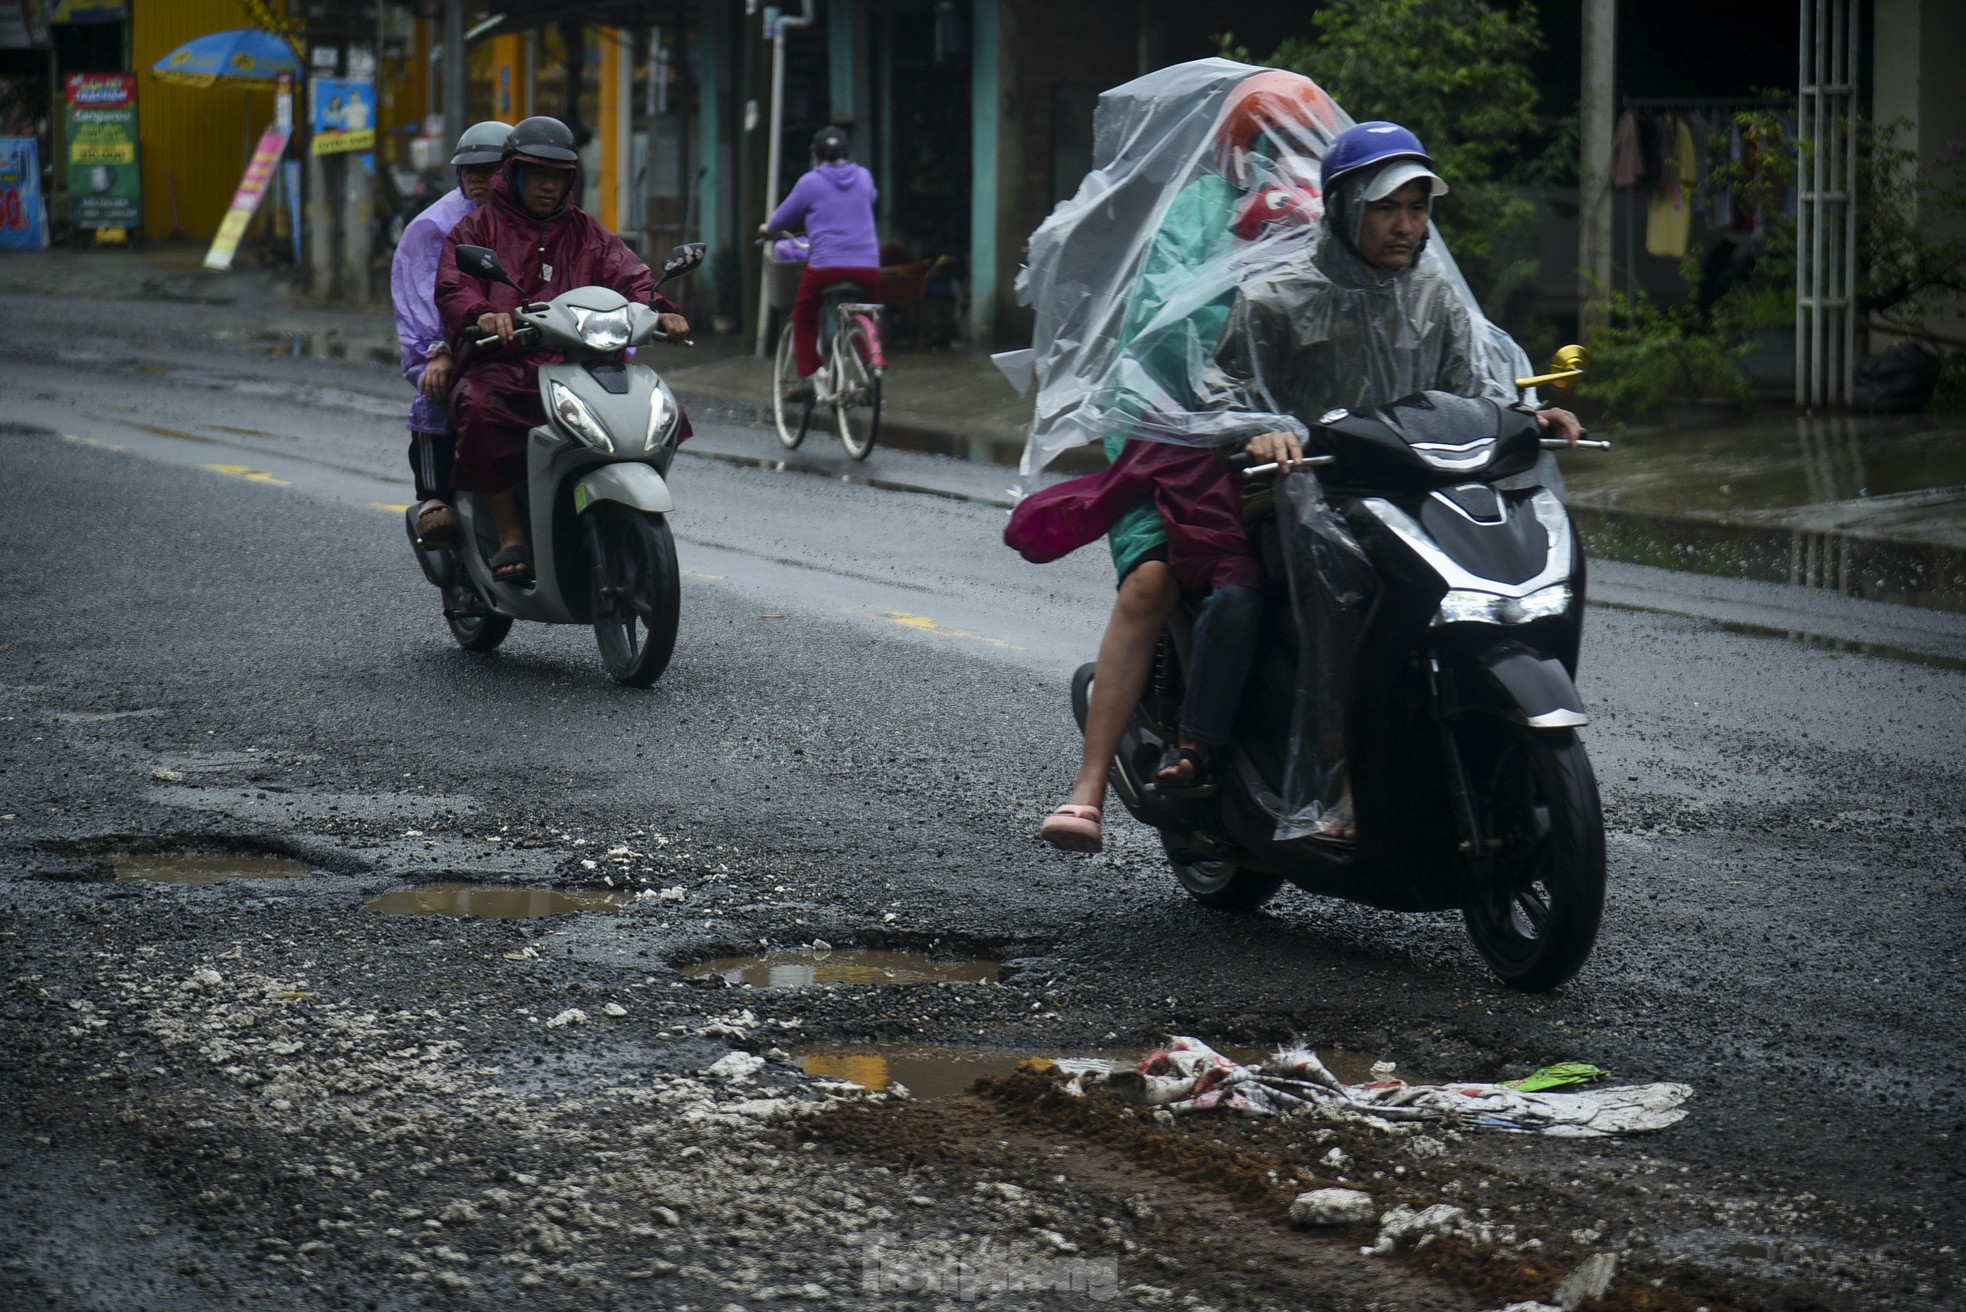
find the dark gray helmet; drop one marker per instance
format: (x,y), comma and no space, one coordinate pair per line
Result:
(829,144)
(544,139)
(482,143)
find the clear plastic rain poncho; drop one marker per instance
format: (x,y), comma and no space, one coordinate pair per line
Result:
(1192,292)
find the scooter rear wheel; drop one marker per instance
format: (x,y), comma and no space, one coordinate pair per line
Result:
(479,632)
(635,591)
(1534,913)
(1219,885)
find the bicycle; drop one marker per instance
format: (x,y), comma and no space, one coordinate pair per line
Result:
(848,381)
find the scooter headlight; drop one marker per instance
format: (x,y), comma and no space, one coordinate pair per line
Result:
(571,411)
(1468,607)
(660,410)
(602,330)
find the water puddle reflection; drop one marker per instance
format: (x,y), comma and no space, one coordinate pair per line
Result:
(805,967)
(496,901)
(180,868)
(934,1071)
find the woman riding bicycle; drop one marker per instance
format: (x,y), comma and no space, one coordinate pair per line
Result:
(835,202)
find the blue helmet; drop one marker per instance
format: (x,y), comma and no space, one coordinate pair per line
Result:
(1375,143)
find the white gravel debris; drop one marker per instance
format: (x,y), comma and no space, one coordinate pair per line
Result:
(204,978)
(735,1065)
(1325,1207)
(1402,1227)
(1590,1280)
(571,1016)
(615,1009)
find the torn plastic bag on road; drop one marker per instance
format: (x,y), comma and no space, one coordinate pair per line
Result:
(1190,1076)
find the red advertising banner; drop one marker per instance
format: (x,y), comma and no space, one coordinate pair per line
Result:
(244,201)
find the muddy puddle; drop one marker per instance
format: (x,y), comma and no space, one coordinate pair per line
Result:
(181,868)
(934,1071)
(819,965)
(496,901)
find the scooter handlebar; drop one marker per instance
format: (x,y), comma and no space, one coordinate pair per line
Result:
(1558,444)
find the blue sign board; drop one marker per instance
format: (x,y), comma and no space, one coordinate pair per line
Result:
(23,216)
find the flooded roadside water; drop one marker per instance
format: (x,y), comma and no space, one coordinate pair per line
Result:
(1871,507)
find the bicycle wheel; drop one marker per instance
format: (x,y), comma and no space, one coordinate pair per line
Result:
(857,398)
(791,418)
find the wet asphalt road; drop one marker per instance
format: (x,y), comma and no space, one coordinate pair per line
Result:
(212,637)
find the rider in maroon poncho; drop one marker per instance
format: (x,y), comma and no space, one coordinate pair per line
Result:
(548,245)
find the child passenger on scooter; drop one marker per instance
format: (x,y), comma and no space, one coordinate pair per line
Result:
(1174,513)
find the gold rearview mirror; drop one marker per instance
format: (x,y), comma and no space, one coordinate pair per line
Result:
(1565,367)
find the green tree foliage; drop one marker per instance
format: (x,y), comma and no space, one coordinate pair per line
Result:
(1456,72)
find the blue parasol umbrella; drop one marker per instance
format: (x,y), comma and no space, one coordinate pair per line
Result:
(245,57)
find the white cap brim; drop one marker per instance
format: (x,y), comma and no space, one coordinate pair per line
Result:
(1397,174)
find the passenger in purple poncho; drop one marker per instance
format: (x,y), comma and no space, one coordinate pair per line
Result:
(420,328)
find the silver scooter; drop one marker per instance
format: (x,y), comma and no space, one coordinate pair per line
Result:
(595,497)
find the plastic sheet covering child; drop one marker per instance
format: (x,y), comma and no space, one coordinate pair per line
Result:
(1122,347)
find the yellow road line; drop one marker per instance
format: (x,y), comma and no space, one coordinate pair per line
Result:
(248,473)
(924,624)
(384,505)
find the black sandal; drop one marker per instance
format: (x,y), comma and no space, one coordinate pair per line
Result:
(1200,784)
(507,559)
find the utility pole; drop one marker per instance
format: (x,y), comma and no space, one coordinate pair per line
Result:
(775,25)
(454,70)
(1594,135)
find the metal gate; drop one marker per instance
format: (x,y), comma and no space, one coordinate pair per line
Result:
(1826,210)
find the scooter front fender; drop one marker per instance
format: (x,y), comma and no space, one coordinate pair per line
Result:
(1521,684)
(629,483)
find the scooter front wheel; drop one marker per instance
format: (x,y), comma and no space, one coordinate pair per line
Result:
(1219,885)
(1533,908)
(636,593)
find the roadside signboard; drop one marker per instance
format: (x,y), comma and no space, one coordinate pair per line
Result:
(23,218)
(104,187)
(244,201)
(342,114)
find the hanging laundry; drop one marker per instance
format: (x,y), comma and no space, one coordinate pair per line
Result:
(1669,222)
(1626,168)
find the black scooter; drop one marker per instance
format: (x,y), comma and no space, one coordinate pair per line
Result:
(1457,697)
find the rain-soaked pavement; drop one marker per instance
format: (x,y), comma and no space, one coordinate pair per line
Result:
(577,994)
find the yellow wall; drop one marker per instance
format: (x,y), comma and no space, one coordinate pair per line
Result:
(509,78)
(614,148)
(201,137)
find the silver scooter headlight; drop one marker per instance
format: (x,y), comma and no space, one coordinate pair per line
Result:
(1466,606)
(660,409)
(602,330)
(571,411)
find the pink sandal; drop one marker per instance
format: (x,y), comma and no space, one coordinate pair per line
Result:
(1073,828)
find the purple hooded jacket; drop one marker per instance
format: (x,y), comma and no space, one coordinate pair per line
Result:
(836,203)
(413,285)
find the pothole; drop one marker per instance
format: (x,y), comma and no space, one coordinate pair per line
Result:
(808,967)
(496,901)
(185,868)
(935,1071)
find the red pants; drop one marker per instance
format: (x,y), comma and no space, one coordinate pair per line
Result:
(494,404)
(805,311)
